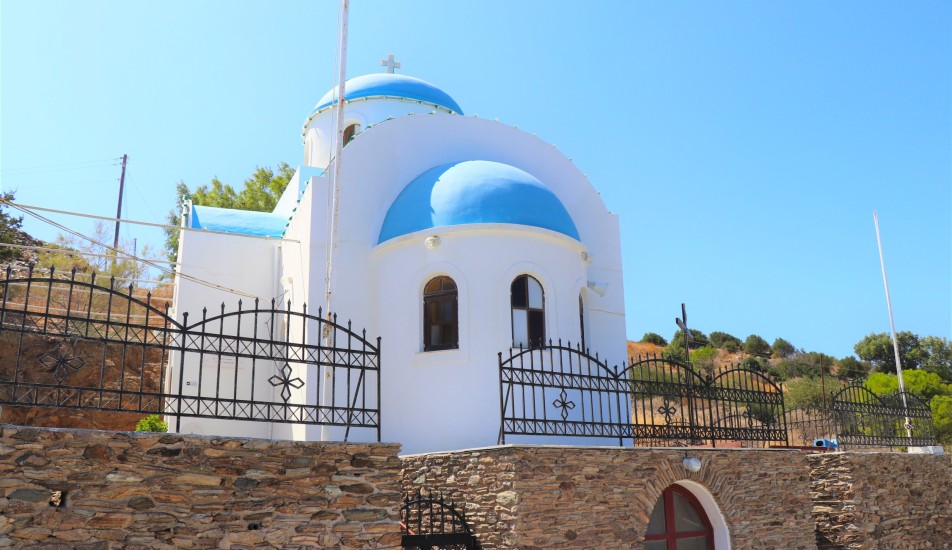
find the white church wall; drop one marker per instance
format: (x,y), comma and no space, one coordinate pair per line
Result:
(319,131)
(383,160)
(231,262)
(449,399)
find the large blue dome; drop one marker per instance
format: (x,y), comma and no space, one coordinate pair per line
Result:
(475,191)
(390,85)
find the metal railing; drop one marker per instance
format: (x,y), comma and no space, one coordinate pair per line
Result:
(560,390)
(858,417)
(89,345)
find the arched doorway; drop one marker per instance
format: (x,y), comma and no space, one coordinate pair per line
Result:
(679,522)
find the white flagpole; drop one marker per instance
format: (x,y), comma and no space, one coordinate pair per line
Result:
(338,149)
(892,326)
(328,397)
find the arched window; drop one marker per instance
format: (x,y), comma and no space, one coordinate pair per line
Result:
(581,321)
(350,132)
(678,522)
(528,312)
(440,315)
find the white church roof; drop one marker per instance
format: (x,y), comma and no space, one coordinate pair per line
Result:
(476,191)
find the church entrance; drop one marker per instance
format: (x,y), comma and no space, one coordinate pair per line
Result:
(431,523)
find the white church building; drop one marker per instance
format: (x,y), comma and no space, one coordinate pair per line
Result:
(458,238)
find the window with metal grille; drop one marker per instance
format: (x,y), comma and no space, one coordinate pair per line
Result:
(528,312)
(440,314)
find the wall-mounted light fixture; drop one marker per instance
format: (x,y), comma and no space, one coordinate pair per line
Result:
(432,242)
(691,464)
(598,288)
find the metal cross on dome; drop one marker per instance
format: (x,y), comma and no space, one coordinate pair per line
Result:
(390,63)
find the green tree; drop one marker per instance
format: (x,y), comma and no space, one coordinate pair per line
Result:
(938,356)
(652,338)
(850,367)
(675,349)
(698,339)
(260,193)
(752,363)
(924,384)
(755,345)
(802,393)
(782,348)
(878,350)
(9,229)
(941,406)
(726,341)
(928,385)
(703,359)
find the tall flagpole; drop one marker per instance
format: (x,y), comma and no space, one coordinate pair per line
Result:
(327,392)
(338,149)
(892,326)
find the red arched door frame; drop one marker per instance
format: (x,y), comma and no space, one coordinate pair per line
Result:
(670,534)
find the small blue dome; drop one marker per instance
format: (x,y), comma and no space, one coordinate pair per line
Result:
(475,191)
(390,85)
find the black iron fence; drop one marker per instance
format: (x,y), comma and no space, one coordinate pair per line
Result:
(72,344)
(857,417)
(430,522)
(560,390)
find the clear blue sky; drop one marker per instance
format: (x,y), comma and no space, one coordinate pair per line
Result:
(743,144)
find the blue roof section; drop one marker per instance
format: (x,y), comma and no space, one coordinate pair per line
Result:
(240,222)
(390,85)
(475,191)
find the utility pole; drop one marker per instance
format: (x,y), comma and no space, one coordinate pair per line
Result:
(122,183)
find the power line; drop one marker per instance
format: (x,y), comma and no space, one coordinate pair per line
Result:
(27,208)
(131,256)
(68,252)
(60,167)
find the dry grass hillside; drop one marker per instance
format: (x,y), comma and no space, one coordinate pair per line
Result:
(724,359)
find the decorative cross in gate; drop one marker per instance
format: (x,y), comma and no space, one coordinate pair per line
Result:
(60,360)
(667,409)
(286,381)
(390,63)
(563,403)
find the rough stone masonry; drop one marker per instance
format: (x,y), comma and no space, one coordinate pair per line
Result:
(62,488)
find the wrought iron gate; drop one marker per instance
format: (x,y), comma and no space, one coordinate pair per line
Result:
(429,523)
(89,345)
(864,418)
(560,390)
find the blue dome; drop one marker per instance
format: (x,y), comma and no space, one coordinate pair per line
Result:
(390,85)
(475,191)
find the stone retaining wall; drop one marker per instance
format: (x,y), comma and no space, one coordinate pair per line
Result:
(81,488)
(576,497)
(882,500)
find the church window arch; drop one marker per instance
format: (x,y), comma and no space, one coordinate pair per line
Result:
(350,131)
(581,322)
(310,144)
(440,314)
(527,299)
(679,522)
